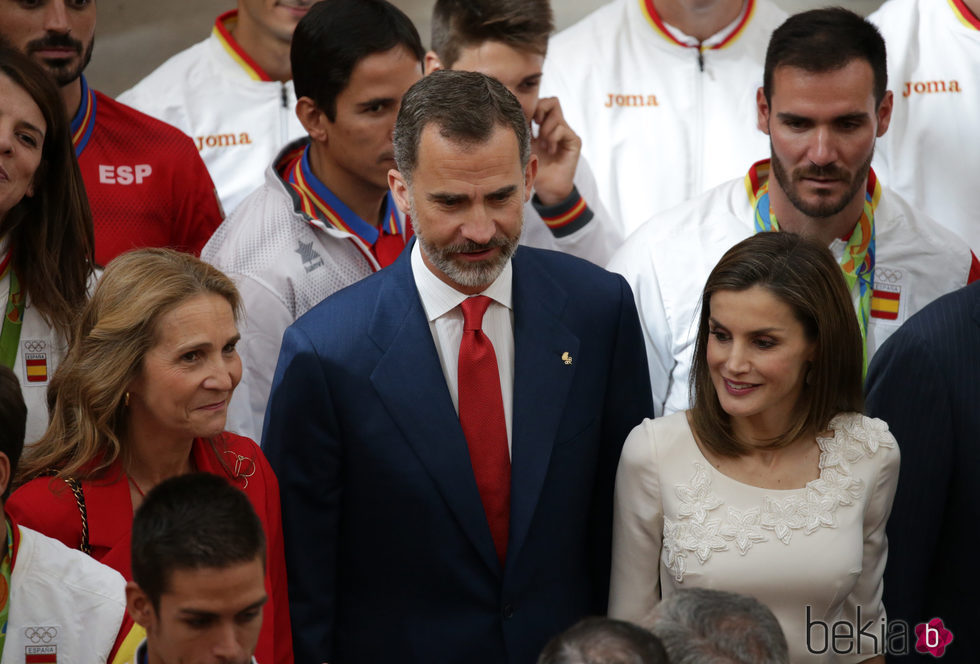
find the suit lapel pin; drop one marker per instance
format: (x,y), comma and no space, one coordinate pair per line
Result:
(566,358)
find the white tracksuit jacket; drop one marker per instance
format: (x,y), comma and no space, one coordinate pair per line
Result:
(931,152)
(62,603)
(667,262)
(239,123)
(659,124)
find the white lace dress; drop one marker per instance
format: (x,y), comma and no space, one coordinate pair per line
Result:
(814,553)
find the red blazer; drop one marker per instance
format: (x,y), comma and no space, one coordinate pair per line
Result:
(48,506)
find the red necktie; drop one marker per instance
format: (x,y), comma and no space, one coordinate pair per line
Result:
(481,414)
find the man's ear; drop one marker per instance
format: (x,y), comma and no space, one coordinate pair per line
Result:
(314,120)
(530,173)
(432,63)
(884,112)
(139,606)
(400,191)
(762,111)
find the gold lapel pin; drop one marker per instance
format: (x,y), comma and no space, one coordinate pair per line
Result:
(566,358)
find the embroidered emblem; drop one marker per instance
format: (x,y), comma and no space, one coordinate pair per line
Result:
(311,259)
(566,358)
(35,360)
(886,298)
(44,647)
(854,438)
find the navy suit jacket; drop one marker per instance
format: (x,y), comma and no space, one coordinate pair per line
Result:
(389,554)
(925,382)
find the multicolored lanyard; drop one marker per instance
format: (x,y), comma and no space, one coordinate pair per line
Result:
(5,568)
(13,317)
(858,261)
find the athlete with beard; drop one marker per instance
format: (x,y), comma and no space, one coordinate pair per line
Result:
(324,218)
(446,432)
(146,184)
(232,93)
(823,103)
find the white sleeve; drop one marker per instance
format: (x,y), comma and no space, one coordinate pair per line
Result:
(635,262)
(638,520)
(266,319)
(866,594)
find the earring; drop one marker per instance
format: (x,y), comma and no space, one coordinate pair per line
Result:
(126,400)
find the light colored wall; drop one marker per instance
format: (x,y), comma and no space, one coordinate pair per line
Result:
(134,36)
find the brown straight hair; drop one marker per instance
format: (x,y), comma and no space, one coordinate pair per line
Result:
(50,232)
(523,25)
(803,275)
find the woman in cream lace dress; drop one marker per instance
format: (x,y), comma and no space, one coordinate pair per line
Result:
(774,484)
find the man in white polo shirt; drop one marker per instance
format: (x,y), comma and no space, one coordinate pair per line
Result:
(823,104)
(662,93)
(232,93)
(930,154)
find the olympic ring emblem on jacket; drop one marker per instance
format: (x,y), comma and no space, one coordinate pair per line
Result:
(41,634)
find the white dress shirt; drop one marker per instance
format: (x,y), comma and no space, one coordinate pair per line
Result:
(441,303)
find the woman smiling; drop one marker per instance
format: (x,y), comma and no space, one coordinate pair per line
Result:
(142,396)
(773,485)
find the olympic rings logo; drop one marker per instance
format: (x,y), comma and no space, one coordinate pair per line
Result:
(34,346)
(888,274)
(41,634)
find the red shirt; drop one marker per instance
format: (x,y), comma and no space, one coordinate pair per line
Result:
(48,506)
(146,183)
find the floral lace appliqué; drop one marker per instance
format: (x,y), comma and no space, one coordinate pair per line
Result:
(701,528)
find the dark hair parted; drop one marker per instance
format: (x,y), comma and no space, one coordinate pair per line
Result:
(524,25)
(13,422)
(805,277)
(113,334)
(466,107)
(50,232)
(824,40)
(604,641)
(335,35)
(190,522)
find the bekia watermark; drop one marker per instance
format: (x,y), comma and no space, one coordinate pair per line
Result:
(843,637)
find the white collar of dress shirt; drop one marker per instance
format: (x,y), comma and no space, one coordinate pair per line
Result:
(438,297)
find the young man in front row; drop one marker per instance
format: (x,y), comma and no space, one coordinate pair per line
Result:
(56,604)
(508,40)
(198,573)
(324,218)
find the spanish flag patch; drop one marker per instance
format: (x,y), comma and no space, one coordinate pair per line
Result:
(41,654)
(885,303)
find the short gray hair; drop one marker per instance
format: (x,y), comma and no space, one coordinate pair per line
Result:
(700,625)
(604,641)
(466,106)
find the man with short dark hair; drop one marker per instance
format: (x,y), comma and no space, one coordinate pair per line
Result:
(198,583)
(446,432)
(53,600)
(604,641)
(146,184)
(324,218)
(823,104)
(508,40)
(706,626)
(232,93)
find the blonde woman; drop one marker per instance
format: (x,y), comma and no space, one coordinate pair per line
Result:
(142,396)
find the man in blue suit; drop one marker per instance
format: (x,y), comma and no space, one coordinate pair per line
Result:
(446,481)
(925,383)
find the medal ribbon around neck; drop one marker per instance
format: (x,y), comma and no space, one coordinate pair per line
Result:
(5,568)
(13,316)
(858,261)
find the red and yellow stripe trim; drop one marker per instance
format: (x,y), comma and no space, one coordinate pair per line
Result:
(567,217)
(653,18)
(963,13)
(314,206)
(223,33)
